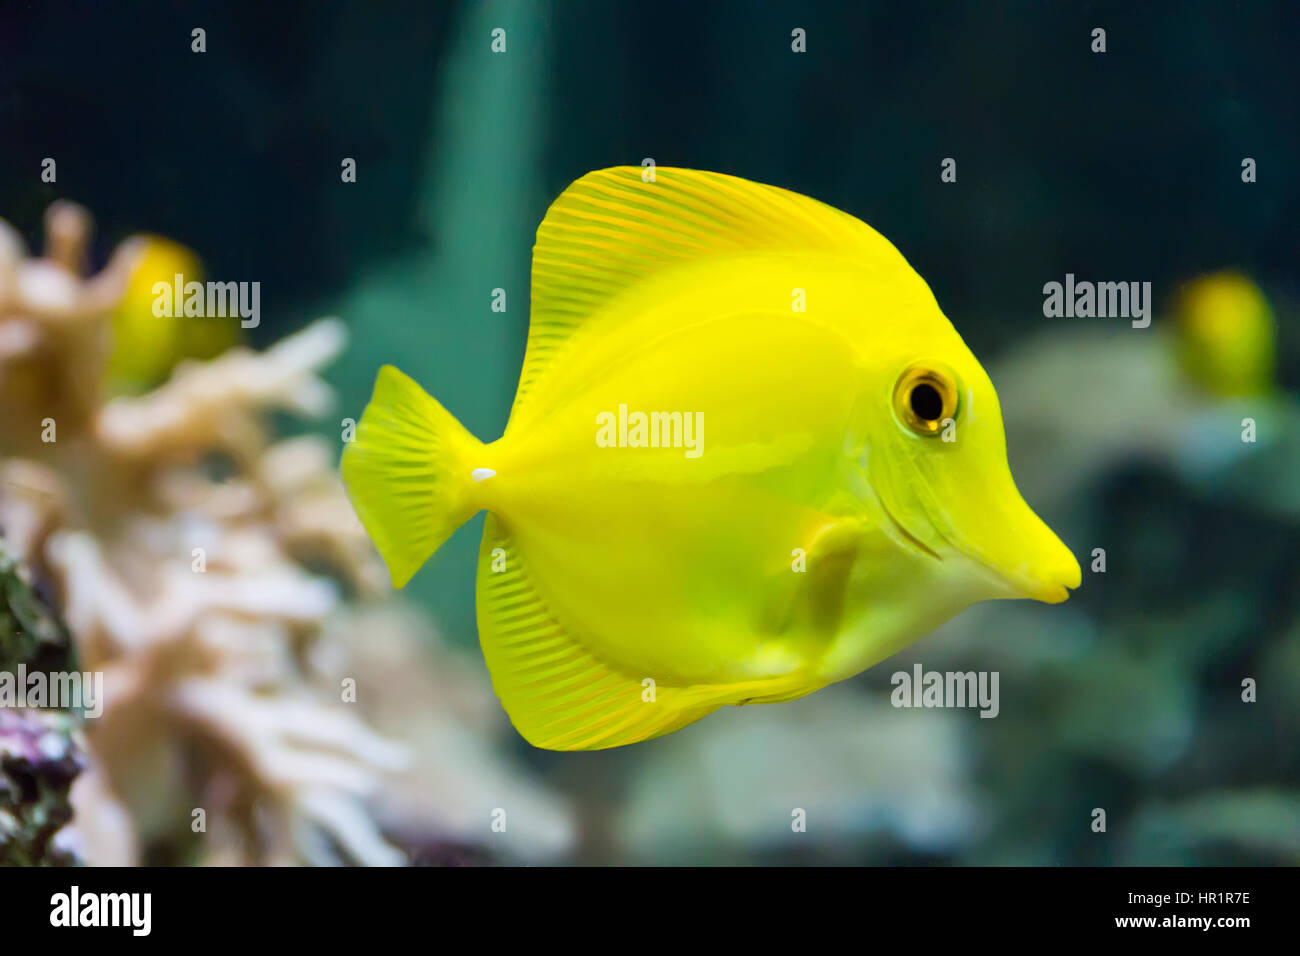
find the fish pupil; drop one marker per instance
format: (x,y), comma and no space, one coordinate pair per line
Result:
(927,403)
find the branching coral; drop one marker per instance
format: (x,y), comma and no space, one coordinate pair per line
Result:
(185,587)
(203,566)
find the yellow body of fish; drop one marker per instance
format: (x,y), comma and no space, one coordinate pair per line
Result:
(748,457)
(1226,335)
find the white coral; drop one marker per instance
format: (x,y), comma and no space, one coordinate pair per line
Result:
(183,590)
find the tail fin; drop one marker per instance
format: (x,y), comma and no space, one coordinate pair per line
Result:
(408,473)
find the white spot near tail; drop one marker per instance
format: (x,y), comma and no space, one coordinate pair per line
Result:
(482,474)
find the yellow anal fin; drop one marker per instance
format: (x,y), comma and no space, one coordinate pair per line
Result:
(558,694)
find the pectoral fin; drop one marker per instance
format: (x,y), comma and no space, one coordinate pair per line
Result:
(812,599)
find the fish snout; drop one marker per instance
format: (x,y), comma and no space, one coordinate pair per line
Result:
(1051,574)
(1011,549)
(1026,556)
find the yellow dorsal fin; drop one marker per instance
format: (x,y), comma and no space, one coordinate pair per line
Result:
(614,227)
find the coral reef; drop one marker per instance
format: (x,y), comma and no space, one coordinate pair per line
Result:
(179,583)
(39,755)
(39,760)
(198,563)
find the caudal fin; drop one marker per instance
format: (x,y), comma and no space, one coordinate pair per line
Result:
(408,473)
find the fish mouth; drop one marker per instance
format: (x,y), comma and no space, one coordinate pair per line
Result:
(1048,589)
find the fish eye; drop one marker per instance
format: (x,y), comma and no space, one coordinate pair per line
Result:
(924,398)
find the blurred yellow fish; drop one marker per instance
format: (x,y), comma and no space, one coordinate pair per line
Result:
(1226,335)
(748,457)
(147,346)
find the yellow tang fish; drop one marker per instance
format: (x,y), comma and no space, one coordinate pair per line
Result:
(748,457)
(1226,335)
(147,345)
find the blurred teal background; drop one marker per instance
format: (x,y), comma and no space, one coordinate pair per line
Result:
(1117,166)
